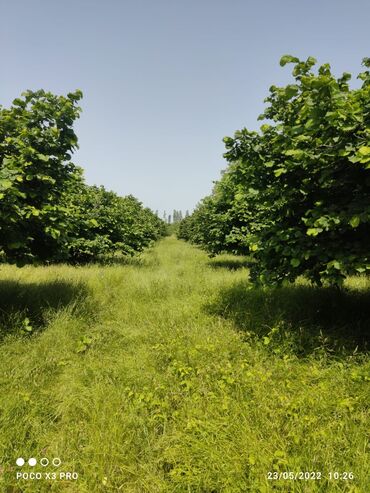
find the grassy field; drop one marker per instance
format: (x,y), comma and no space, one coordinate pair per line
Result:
(172,374)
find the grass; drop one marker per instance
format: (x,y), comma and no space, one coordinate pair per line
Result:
(171,374)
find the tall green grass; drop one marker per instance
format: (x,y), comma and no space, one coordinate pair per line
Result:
(172,374)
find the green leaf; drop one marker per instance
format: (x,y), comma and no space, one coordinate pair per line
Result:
(355,221)
(313,231)
(93,222)
(364,151)
(55,233)
(280,171)
(311,61)
(294,152)
(288,59)
(5,184)
(295,262)
(291,90)
(228,141)
(335,264)
(43,157)
(265,127)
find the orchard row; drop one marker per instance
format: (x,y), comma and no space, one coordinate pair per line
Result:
(48,213)
(296,195)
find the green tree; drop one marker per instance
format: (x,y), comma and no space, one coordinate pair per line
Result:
(297,193)
(309,175)
(105,223)
(36,175)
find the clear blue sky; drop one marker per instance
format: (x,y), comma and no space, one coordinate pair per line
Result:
(165,80)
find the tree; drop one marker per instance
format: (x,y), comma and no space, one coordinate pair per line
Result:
(47,211)
(36,174)
(297,193)
(107,223)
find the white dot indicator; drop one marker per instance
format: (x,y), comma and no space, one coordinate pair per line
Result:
(56,462)
(32,462)
(44,461)
(20,461)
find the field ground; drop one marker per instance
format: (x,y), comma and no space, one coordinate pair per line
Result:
(171,374)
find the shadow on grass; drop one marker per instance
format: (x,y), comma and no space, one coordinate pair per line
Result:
(302,319)
(230,262)
(26,306)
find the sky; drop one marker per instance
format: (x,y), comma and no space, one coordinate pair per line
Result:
(165,80)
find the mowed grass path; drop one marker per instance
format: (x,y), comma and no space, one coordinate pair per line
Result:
(170,374)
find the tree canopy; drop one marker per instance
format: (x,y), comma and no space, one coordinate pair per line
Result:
(296,194)
(47,211)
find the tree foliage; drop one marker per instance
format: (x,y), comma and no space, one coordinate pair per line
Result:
(36,142)
(296,195)
(47,211)
(107,223)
